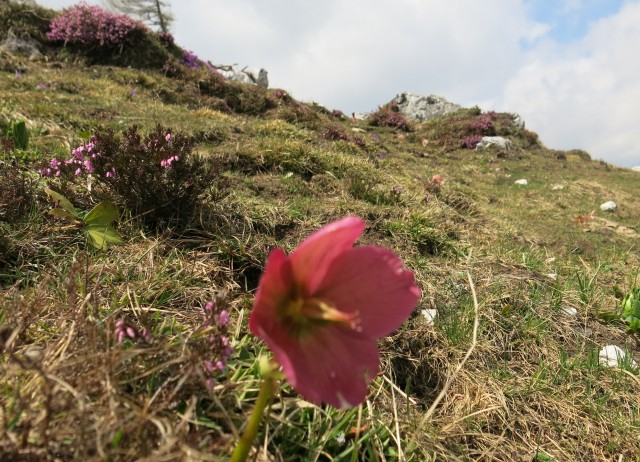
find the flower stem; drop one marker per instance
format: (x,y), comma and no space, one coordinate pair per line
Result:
(243,447)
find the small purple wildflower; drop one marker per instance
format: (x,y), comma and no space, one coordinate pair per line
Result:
(124,331)
(216,319)
(19,75)
(133,92)
(382,155)
(41,86)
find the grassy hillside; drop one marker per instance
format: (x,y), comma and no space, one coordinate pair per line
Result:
(273,170)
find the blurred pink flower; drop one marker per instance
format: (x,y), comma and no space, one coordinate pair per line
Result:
(321,309)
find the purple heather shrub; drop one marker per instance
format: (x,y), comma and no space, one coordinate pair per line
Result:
(91,25)
(334,133)
(359,141)
(338,114)
(471,141)
(387,117)
(482,124)
(190,59)
(166,38)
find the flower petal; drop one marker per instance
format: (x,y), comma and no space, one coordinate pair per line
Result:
(275,285)
(332,366)
(373,282)
(313,256)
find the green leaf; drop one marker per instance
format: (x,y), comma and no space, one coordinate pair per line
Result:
(63,201)
(101,235)
(631,309)
(102,214)
(61,213)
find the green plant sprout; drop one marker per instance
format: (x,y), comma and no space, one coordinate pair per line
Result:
(97,224)
(631,309)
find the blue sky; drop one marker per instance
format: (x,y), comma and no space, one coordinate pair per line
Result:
(569,67)
(570,20)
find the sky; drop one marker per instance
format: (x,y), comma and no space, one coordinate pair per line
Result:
(570,68)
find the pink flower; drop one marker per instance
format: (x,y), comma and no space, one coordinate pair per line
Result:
(321,309)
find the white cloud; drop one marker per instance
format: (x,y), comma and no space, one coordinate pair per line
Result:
(357,54)
(587,94)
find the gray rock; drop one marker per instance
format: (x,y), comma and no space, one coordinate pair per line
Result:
(21,46)
(613,355)
(423,107)
(518,122)
(498,141)
(254,76)
(608,206)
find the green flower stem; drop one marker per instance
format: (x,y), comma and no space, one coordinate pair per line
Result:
(245,443)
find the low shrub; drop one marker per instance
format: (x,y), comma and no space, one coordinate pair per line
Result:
(17,193)
(389,116)
(103,37)
(157,177)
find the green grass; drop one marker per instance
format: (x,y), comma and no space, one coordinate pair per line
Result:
(531,387)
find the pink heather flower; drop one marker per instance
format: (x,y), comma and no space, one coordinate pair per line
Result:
(321,309)
(78,171)
(223,318)
(168,137)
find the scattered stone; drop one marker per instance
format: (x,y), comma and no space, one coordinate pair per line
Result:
(557,187)
(608,206)
(254,76)
(522,182)
(423,107)
(429,316)
(360,115)
(552,276)
(569,311)
(517,120)
(21,46)
(498,141)
(358,130)
(613,355)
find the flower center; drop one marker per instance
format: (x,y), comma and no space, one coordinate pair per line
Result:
(305,313)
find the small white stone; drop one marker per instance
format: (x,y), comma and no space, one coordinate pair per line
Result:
(608,206)
(557,187)
(612,355)
(552,276)
(569,310)
(550,260)
(429,316)
(522,182)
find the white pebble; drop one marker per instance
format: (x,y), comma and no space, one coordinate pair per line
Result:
(612,355)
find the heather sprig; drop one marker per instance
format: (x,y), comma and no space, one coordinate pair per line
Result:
(215,321)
